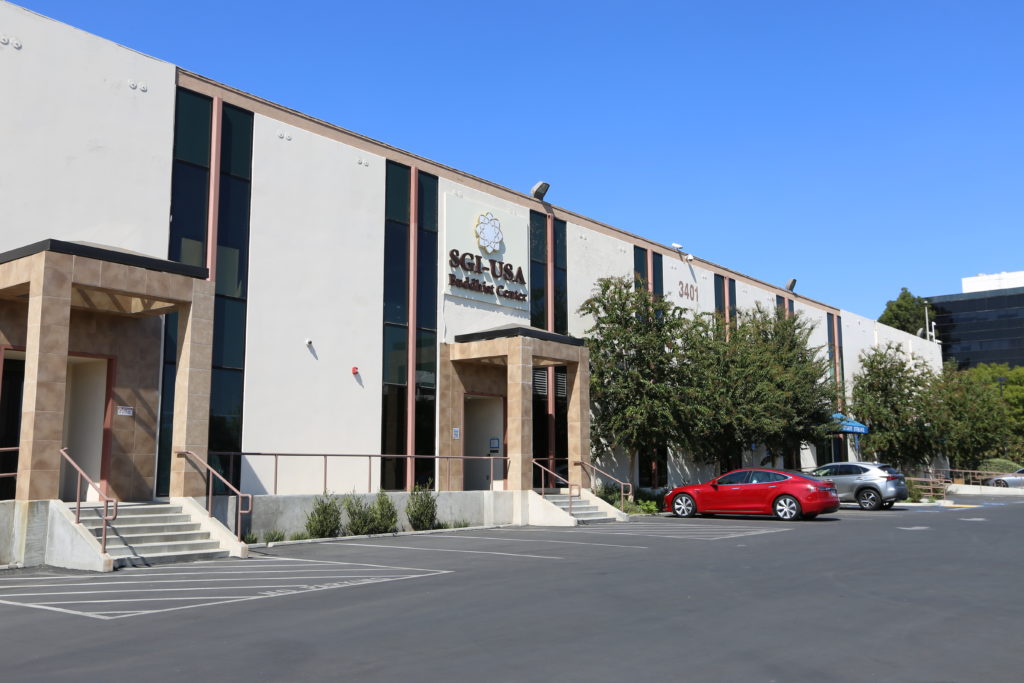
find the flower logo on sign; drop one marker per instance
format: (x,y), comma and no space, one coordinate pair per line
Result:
(488,233)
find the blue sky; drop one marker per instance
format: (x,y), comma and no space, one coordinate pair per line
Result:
(859,147)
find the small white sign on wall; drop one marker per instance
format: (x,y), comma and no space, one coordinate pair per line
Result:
(125,411)
(455,433)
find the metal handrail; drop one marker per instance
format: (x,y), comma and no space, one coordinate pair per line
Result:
(369,462)
(209,492)
(78,499)
(8,449)
(622,484)
(543,491)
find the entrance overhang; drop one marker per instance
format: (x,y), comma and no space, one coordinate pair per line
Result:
(501,362)
(52,278)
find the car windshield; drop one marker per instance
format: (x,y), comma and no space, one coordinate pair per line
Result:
(888,469)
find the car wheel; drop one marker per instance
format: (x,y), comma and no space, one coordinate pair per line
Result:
(1002,484)
(888,505)
(684,506)
(787,508)
(869,499)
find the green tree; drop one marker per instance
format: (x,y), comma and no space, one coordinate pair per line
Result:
(632,343)
(890,396)
(907,312)
(756,380)
(1010,382)
(967,417)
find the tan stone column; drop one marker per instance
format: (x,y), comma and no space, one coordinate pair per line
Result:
(520,414)
(46,367)
(578,379)
(192,391)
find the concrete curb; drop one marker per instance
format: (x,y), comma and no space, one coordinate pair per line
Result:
(394,535)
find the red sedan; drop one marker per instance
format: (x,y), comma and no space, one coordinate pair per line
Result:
(787,495)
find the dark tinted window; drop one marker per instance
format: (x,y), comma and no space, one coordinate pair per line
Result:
(426,360)
(559,230)
(190,186)
(538,237)
(192,115)
(426,207)
(236,142)
(640,266)
(888,469)
(826,471)
(396,359)
(396,202)
(719,294)
(740,477)
(538,301)
(426,279)
(228,333)
(658,275)
(233,236)
(396,272)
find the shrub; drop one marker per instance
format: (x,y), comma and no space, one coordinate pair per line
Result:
(324,520)
(385,516)
(299,536)
(913,493)
(1000,465)
(360,516)
(421,509)
(249,538)
(273,536)
(454,524)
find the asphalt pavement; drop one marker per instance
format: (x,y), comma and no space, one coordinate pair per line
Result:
(909,594)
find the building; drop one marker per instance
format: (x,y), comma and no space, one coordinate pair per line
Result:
(983,324)
(187,267)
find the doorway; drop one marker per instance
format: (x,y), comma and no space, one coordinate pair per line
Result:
(12,382)
(484,436)
(85,424)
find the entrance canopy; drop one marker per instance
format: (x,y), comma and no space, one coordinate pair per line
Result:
(847,425)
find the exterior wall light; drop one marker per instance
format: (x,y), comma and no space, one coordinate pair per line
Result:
(539,190)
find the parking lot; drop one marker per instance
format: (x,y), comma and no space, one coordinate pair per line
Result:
(849,595)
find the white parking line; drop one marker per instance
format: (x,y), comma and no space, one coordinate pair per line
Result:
(539,540)
(449,550)
(304,576)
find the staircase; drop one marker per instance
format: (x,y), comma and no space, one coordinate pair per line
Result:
(151,533)
(582,511)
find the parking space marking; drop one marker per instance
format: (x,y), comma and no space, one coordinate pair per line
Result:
(450,550)
(680,531)
(545,540)
(219,585)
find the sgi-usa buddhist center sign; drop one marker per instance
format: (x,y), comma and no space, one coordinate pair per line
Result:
(487,254)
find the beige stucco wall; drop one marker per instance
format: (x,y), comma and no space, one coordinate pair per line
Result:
(316,254)
(85,156)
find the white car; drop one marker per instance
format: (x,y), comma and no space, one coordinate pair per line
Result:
(1006,480)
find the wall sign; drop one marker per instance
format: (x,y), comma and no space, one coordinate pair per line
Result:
(486,249)
(126,411)
(455,433)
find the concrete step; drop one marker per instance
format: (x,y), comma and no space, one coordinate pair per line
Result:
(156,537)
(578,507)
(131,509)
(139,529)
(165,558)
(590,515)
(600,520)
(149,549)
(134,520)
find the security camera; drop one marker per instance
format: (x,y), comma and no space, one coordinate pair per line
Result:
(689,257)
(309,342)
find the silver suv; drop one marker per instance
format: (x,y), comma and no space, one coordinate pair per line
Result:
(869,484)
